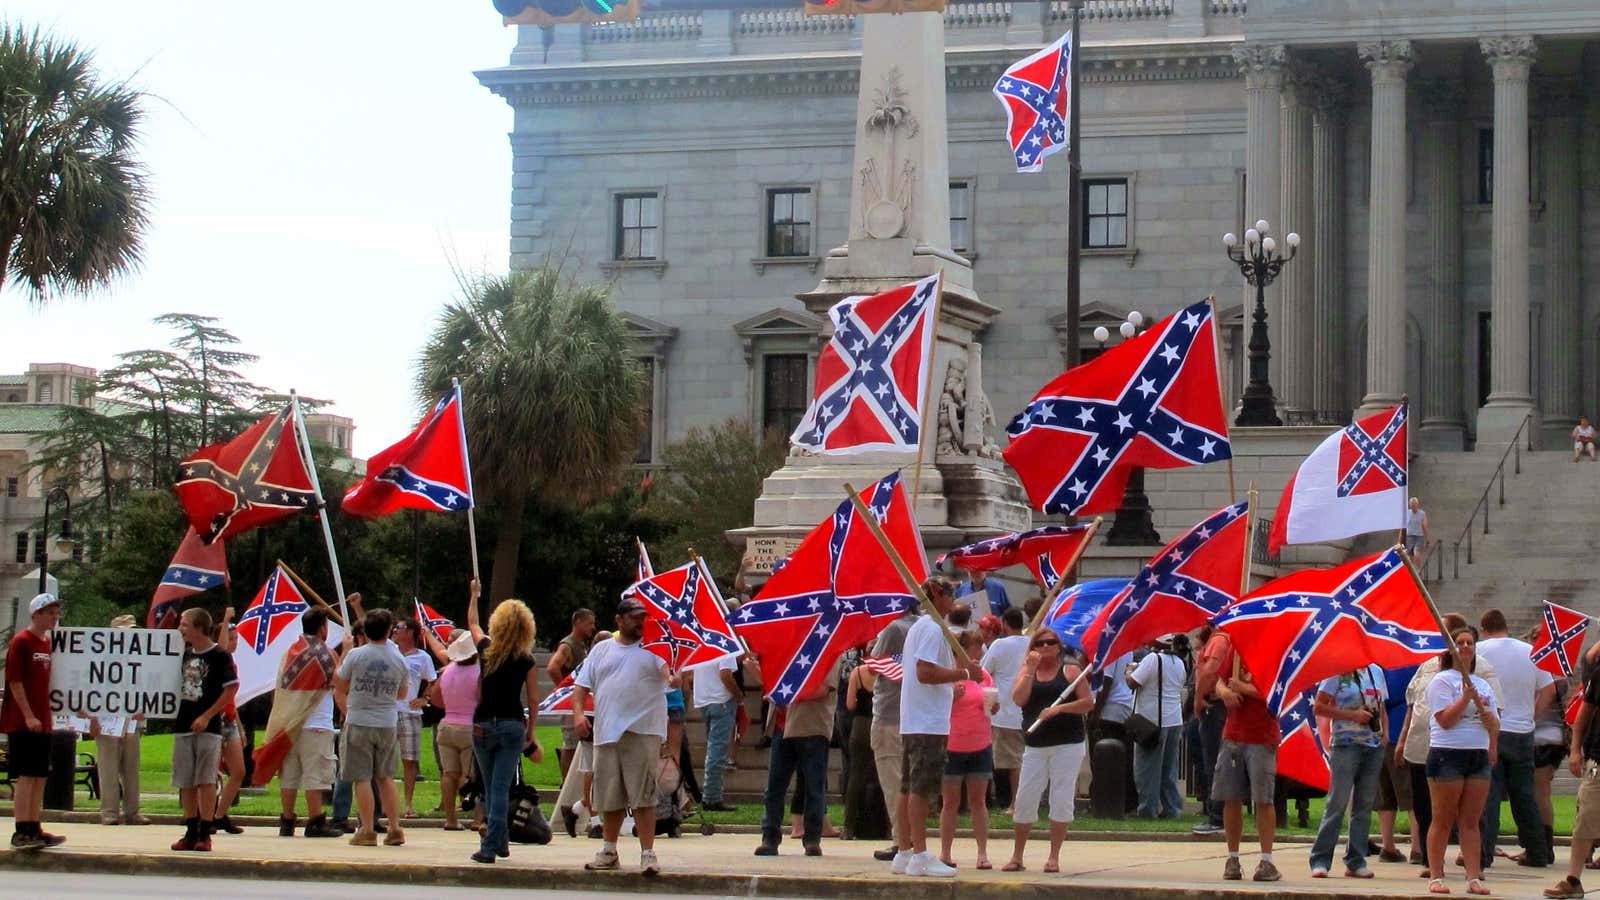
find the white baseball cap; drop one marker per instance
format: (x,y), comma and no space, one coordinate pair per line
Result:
(43,602)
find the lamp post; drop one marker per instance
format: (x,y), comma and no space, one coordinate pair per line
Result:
(1134,525)
(1259,261)
(64,542)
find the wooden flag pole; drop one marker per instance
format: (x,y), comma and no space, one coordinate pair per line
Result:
(905,571)
(322,506)
(1249,552)
(705,573)
(928,400)
(1216,343)
(309,592)
(1064,582)
(1433,609)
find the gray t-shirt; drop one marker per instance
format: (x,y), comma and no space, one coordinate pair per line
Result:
(886,694)
(375,673)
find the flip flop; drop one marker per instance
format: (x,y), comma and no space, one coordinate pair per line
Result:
(984,864)
(1051,867)
(1476,886)
(1437,886)
(1013,866)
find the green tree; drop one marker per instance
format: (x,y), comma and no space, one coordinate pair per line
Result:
(710,487)
(221,397)
(552,396)
(73,195)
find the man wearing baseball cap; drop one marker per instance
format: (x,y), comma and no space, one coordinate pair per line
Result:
(630,723)
(25,718)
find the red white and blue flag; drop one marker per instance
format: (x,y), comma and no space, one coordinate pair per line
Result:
(1353,483)
(1560,640)
(1297,630)
(432,620)
(872,377)
(1036,93)
(266,631)
(1077,606)
(889,667)
(1301,753)
(1152,401)
(257,478)
(196,567)
(1181,588)
(559,700)
(686,620)
(1046,552)
(427,469)
(837,591)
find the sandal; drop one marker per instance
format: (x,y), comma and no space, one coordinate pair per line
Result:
(1013,866)
(1476,886)
(1052,866)
(983,863)
(1437,886)
(949,862)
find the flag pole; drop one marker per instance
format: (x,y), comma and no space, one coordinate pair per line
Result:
(705,574)
(905,571)
(1064,582)
(1249,553)
(1433,608)
(309,591)
(322,505)
(1074,185)
(1062,698)
(928,400)
(1216,343)
(472,495)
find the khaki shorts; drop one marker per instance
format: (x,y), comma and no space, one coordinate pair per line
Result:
(1394,784)
(1007,747)
(455,748)
(1586,825)
(625,773)
(310,765)
(367,752)
(1245,772)
(922,764)
(195,758)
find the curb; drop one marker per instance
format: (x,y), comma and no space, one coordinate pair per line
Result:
(574,880)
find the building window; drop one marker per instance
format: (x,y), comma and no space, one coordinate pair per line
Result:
(22,546)
(11,485)
(47,392)
(1105,213)
(783,391)
(638,228)
(789,222)
(1485,165)
(645,453)
(961,216)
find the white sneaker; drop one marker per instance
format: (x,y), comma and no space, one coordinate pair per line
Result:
(902,859)
(648,865)
(925,864)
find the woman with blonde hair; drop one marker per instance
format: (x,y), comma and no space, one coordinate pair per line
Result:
(501,727)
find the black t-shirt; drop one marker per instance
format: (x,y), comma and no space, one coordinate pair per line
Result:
(1591,738)
(500,691)
(205,676)
(1056,730)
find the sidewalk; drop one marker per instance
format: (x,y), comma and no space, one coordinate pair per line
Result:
(723,865)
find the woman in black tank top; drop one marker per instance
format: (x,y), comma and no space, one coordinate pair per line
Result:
(1053,752)
(858,755)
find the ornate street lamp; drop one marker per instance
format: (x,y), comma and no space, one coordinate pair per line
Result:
(1259,261)
(64,542)
(1133,526)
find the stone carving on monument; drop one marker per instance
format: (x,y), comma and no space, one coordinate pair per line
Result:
(887,192)
(964,411)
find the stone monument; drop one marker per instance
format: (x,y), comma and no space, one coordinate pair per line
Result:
(900,232)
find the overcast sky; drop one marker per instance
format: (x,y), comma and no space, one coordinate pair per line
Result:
(316,170)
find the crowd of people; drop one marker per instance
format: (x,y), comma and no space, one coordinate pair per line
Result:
(985,713)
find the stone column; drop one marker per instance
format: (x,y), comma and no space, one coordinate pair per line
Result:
(1262,67)
(1510,388)
(1388,62)
(1329,391)
(1297,322)
(1561,340)
(1444,426)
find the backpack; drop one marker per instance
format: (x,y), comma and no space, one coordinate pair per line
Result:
(525,822)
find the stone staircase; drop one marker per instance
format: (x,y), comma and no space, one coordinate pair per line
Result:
(1543,544)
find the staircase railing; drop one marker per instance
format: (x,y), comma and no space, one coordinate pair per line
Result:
(1514,452)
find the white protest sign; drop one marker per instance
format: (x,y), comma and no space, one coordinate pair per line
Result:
(115,671)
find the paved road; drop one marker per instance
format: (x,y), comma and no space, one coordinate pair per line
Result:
(66,886)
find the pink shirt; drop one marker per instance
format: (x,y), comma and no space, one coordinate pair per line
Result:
(458,687)
(969,720)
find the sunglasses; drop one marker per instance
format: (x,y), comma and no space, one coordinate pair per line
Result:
(1047,642)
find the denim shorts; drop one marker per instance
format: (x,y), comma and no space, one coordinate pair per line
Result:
(976,764)
(1449,764)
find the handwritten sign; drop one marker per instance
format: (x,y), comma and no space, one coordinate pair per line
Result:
(764,552)
(115,672)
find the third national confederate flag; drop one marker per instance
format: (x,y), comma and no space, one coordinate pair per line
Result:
(1560,641)
(1353,483)
(256,478)
(427,469)
(1299,629)
(1152,401)
(837,591)
(873,374)
(686,621)
(1045,551)
(196,567)
(1036,93)
(1180,588)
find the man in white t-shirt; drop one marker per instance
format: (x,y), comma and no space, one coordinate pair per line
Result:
(629,684)
(1525,690)
(408,731)
(1002,661)
(926,691)
(717,696)
(1158,685)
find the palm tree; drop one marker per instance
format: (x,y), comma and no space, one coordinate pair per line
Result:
(552,395)
(72,194)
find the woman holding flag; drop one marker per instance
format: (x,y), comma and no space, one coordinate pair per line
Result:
(1053,752)
(1462,733)
(501,729)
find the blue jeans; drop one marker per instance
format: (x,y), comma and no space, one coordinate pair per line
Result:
(1512,775)
(497,748)
(809,757)
(1156,771)
(719,730)
(343,793)
(1353,783)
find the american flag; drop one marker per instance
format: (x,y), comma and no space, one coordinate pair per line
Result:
(872,376)
(1317,623)
(256,478)
(686,620)
(1046,552)
(1152,401)
(886,666)
(1560,640)
(1036,94)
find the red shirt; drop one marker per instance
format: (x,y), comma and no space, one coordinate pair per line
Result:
(1251,722)
(28,663)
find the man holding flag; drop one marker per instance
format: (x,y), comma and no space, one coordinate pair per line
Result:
(1247,764)
(300,734)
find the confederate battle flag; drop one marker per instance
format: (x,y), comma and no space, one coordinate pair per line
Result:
(257,478)
(427,469)
(196,567)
